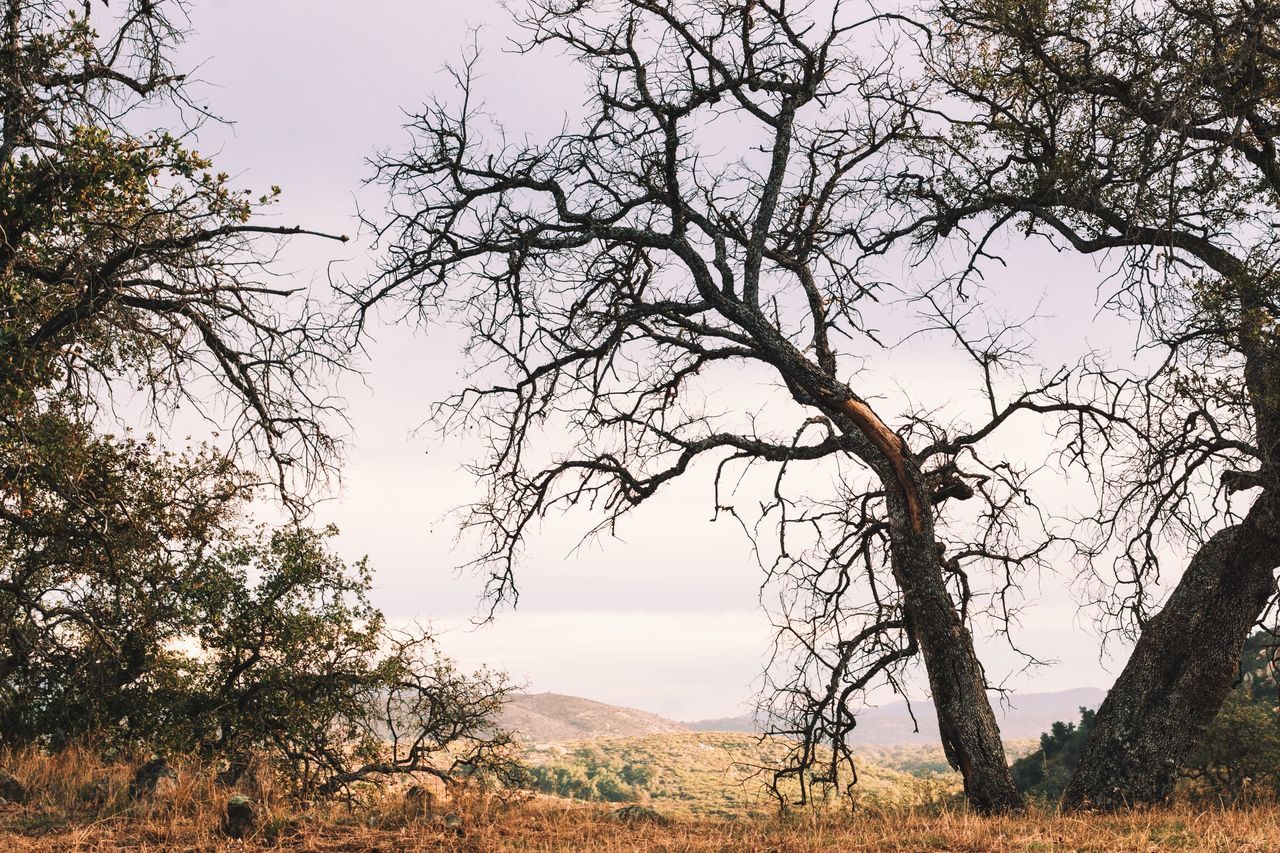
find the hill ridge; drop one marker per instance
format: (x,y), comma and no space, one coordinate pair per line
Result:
(558,717)
(1024,715)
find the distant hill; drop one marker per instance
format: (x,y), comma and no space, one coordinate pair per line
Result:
(1025,716)
(553,717)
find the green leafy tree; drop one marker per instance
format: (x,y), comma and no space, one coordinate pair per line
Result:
(128,261)
(611,788)
(300,664)
(138,612)
(135,607)
(637,775)
(1047,771)
(102,546)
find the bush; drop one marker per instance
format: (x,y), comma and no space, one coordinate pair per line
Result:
(592,776)
(138,611)
(1239,756)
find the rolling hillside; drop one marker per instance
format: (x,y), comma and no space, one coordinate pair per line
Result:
(551,717)
(721,774)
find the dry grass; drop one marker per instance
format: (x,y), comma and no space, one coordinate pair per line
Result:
(79,803)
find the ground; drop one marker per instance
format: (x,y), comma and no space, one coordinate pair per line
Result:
(544,826)
(76,802)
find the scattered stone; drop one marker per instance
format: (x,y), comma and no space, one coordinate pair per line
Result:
(155,778)
(11,787)
(638,814)
(239,819)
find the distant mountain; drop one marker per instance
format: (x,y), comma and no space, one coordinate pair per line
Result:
(1024,716)
(554,717)
(740,723)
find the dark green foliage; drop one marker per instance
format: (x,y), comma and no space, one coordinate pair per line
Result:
(1046,771)
(590,774)
(1257,674)
(105,560)
(639,775)
(1237,757)
(138,612)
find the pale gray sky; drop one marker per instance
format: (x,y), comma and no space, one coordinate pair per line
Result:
(663,619)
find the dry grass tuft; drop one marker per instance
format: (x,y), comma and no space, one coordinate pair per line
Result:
(80,803)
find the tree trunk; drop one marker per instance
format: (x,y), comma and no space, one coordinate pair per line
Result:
(966,722)
(1182,668)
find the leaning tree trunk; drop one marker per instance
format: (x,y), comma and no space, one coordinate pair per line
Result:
(1182,668)
(966,722)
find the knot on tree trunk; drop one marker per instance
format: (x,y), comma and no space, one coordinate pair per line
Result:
(1242,481)
(947,483)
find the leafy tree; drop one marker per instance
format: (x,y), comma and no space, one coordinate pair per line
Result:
(592,776)
(1238,757)
(135,606)
(128,260)
(611,788)
(298,663)
(638,775)
(141,613)
(1047,771)
(1257,673)
(99,569)
(562,781)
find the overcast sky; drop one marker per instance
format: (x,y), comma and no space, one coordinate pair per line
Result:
(666,617)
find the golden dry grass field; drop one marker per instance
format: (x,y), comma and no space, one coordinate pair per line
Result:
(79,804)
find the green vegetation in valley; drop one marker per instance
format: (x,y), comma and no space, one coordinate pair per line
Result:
(718,773)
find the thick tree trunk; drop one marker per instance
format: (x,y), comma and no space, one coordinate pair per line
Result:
(966,722)
(1182,668)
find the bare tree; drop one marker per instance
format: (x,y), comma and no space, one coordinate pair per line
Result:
(610,275)
(1144,133)
(126,259)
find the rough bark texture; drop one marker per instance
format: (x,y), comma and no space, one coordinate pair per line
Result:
(966,722)
(1182,668)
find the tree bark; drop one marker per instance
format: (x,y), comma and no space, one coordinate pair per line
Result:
(1182,668)
(966,722)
